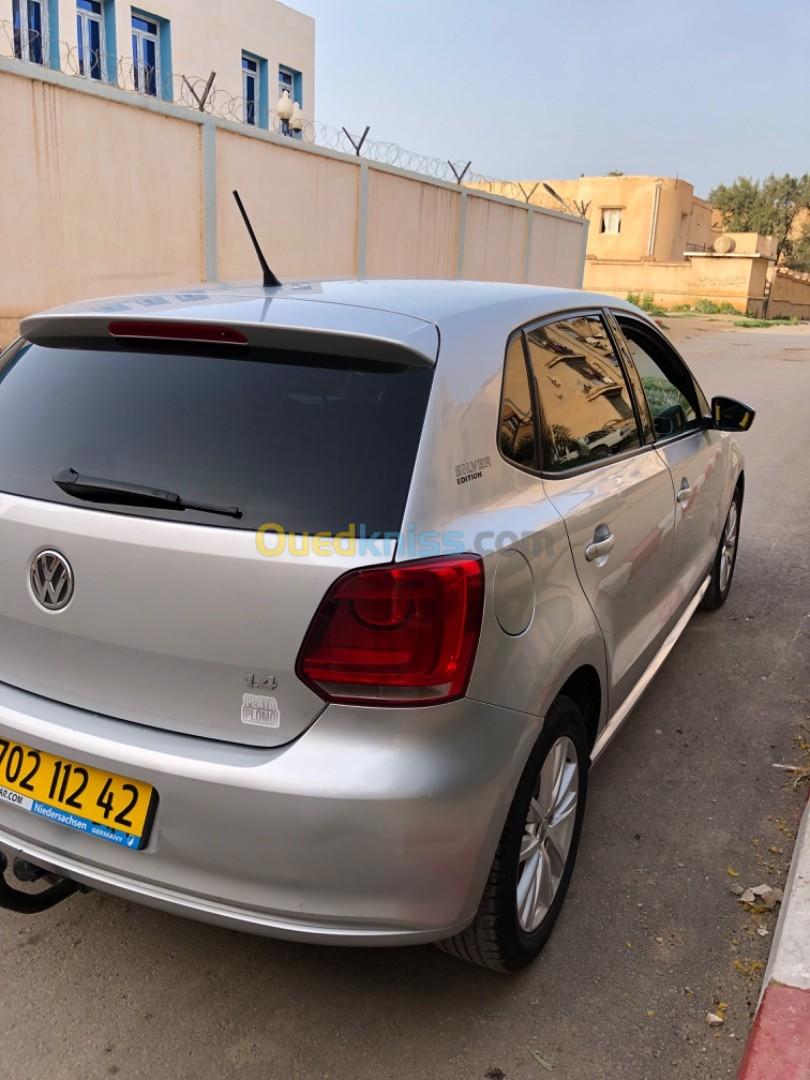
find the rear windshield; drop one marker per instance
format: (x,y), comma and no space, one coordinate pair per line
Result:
(306,442)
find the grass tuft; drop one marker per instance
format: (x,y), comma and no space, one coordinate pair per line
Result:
(754,323)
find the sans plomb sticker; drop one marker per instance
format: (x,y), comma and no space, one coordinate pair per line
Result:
(260,711)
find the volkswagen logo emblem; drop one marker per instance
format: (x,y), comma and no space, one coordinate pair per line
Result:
(51,580)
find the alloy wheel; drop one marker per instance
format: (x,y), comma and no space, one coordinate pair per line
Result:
(728,547)
(547,835)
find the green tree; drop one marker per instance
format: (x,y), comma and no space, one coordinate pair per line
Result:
(799,258)
(769,206)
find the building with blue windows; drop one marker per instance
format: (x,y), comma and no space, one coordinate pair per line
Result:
(256,49)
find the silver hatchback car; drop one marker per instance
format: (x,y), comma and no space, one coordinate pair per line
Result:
(318,601)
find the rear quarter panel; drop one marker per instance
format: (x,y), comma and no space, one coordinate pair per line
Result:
(465,497)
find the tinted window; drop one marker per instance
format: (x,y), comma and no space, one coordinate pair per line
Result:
(667,385)
(310,444)
(516,435)
(587,413)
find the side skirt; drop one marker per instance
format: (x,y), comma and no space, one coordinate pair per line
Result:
(632,698)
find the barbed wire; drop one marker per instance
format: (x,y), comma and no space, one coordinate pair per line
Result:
(202,95)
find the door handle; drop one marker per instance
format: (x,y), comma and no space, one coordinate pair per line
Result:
(602,543)
(683,492)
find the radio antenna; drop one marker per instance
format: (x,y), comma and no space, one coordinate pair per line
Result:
(269,278)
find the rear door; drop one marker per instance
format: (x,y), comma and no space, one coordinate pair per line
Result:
(191,620)
(692,450)
(613,491)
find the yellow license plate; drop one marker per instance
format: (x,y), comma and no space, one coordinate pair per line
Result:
(89,800)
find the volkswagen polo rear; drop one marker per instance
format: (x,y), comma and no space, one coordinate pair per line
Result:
(200,707)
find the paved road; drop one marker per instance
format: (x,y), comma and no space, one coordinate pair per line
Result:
(651,931)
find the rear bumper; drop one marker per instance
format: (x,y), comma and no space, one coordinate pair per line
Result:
(374,827)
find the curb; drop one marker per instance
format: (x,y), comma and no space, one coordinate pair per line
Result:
(778,1046)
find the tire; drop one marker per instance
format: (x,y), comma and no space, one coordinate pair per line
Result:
(725,559)
(498,938)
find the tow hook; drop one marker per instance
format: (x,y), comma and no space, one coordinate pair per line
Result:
(25,903)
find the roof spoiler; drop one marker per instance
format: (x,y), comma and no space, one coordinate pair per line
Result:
(416,348)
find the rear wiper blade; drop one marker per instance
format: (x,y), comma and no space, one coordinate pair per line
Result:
(115,491)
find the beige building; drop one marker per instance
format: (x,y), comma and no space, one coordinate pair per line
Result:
(652,237)
(255,48)
(631,218)
(640,217)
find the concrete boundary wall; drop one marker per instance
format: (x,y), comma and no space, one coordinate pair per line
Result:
(789,294)
(117,193)
(738,280)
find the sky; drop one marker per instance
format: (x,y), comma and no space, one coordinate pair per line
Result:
(703,89)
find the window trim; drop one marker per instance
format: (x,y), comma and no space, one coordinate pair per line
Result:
(261,107)
(601,463)
(539,472)
(541,437)
(700,404)
(164,86)
(250,100)
(139,64)
(83,17)
(296,87)
(538,449)
(609,232)
(640,403)
(48,13)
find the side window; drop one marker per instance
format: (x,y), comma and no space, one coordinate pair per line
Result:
(668,386)
(29,20)
(586,409)
(146,55)
(291,82)
(516,428)
(250,88)
(611,220)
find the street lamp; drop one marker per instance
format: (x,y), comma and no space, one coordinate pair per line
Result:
(297,121)
(284,111)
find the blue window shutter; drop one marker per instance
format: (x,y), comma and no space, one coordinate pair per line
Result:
(53,34)
(167,88)
(110,42)
(264,96)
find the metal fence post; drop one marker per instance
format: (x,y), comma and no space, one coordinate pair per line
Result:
(528,241)
(209,178)
(462,230)
(362,219)
(584,252)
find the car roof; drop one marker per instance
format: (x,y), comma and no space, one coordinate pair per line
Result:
(420,298)
(408,314)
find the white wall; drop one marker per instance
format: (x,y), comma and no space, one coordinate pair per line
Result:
(151,206)
(209,35)
(413,227)
(93,227)
(302,205)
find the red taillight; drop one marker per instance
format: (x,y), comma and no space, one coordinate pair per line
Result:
(167,330)
(397,635)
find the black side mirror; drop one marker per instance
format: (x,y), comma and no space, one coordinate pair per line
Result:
(670,421)
(731,415)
